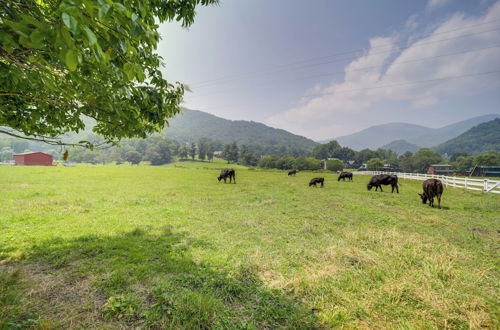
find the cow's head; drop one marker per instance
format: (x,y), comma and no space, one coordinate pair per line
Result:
(369,186)
(424,198)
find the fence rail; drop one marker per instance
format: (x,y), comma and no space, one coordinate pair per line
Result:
(484,185)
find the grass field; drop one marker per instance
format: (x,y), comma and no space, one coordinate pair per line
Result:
(153,247)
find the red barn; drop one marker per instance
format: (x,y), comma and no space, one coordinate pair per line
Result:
(33,158)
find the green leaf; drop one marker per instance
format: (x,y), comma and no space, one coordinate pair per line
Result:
(103,11)
(71,60)
(129,70)
(37,38)
(70,22)
(90,36)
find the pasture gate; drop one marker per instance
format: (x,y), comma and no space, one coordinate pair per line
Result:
(484,185)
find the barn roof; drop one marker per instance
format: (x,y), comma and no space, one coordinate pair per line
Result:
(31,152)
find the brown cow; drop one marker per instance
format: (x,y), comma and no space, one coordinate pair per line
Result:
(315,181)
(383,179)
(432,188)
(227,173)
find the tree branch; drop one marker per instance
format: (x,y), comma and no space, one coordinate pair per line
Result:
(53,141)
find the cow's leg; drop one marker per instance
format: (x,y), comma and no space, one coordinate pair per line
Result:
(439,201)
(381,188)
(234,178)
(322,184)
(225,179)
(431,201)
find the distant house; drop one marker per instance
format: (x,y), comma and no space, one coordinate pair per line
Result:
(388,168)
(485,171)
(218,154)
(33,158)
(351,164)
(363,167)
(440,169)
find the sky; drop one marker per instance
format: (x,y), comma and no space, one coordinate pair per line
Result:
(328,68)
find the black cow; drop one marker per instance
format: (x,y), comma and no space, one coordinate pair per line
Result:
(383,179)
(432,188)
(292,172)
(345,175)
(315,181)
(227,173)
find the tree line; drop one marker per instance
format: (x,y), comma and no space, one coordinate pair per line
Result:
(159,150)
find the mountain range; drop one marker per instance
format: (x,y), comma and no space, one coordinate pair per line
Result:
(191,125)
(397,134)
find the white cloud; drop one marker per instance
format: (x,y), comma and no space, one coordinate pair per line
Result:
(432,4)
(362,92)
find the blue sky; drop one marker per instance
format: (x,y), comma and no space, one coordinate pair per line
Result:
(326,68)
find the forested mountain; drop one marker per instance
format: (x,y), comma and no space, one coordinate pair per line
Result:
(379,136)
(443,134)
(401,146)
(191,125)
(481,138)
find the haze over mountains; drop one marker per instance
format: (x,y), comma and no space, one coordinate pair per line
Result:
(400,134)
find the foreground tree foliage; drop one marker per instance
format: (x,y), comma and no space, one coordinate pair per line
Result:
(61,60)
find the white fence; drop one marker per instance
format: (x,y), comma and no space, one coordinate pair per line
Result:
(484,185)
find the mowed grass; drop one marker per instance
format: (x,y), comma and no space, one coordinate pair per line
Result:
(169,247)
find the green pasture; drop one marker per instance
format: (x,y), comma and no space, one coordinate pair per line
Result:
(170,247)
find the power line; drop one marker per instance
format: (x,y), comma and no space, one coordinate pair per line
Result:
(339,60)
(396,85)
(378,66)
(415,82)
(284,67)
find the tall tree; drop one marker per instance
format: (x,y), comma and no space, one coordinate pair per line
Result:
(423,158)
(64,60)
(192,150)
(202,148)
(210,151)
(230,152)
(375,164)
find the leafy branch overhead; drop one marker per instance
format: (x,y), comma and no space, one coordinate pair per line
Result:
(60,60)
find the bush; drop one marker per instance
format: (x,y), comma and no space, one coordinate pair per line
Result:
(375,164)
(334,165)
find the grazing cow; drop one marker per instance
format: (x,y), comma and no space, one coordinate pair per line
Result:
(432,188)
(315,181)
(292,172)
(345,175)
(227,173)
(383,179)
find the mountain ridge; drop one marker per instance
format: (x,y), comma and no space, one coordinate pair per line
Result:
(378,136)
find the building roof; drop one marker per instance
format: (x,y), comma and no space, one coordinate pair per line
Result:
(31,152)
(440,165)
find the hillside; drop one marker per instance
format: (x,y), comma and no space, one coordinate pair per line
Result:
(377,136)
(443,134)
(401,146)
(193,124)
(481,138)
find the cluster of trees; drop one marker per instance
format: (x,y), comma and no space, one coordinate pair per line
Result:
(420,161)
(334,150)
(290,162)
